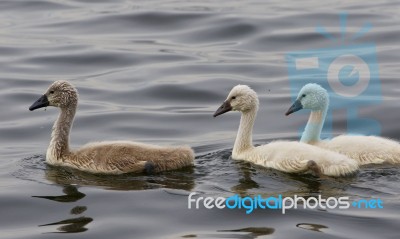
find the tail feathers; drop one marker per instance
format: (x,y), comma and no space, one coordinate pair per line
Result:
(391,156)
(344,168)
(177,158)
(335,164)
(366,149)
(313,166)
(395,159)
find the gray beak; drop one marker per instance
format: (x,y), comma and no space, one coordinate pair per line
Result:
(40,103)
(225,107)
(295,107)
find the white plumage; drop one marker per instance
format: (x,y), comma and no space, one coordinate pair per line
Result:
(291,157)
(363,149)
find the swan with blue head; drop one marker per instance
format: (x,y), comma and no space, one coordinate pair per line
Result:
(363,149)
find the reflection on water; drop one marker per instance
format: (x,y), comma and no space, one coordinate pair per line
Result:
(251,180)
(78,210)
(311,185)
(253,232)
(35,169)
(179,179)
(245,182)
(155,71)
(71,195)
(243,233)
(70,225)
(312,227)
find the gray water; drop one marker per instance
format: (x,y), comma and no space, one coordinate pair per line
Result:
(155,71)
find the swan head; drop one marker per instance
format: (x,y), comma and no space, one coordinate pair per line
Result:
(60,94)
(241,98)
(311,96)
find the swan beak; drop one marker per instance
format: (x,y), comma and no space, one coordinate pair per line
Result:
(225,107)
(295,107)
(40,103)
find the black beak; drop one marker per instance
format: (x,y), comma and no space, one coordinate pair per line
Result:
(40,103)
(295,107)
(225,107)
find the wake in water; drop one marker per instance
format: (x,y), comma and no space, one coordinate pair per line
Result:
(36,169)
(216,173)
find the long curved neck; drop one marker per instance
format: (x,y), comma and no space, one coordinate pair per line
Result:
(59,143)
(244,138)
(312,132)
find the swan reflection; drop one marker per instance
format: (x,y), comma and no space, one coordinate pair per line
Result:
(242,233)
(312,227)
(178,179)
(74,224)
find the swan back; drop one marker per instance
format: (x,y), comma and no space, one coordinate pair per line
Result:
(364,149)
(127,156)
(293,157)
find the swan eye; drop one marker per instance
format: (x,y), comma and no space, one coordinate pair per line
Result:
(304,95)
(233,97)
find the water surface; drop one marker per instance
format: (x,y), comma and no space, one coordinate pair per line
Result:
(155,71)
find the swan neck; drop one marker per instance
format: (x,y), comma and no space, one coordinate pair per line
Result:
(59,143)
(312,132)
(245,133)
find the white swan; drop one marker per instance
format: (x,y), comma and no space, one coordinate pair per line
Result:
(364,149)
(291,157)
(103,157)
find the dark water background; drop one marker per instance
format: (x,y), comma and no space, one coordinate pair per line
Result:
(155,71)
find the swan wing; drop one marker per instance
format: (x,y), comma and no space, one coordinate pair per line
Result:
(295,157)
(365,149)
(125,156)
